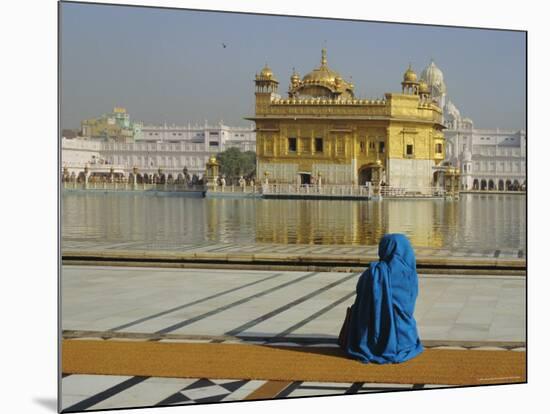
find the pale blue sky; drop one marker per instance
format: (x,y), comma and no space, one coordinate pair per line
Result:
(170,65)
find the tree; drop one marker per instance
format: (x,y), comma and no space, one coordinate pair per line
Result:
(234,163)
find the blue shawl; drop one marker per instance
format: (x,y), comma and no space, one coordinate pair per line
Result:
(382,328)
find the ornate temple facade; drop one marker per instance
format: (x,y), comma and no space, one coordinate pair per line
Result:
(322,131)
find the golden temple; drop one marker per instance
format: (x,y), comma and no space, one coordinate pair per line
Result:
(322,131)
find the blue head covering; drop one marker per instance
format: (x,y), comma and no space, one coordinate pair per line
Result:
(382,326)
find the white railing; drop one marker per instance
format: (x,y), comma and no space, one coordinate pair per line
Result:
(133,187)
(351,190)
(325,190)
(270,189)
(250,189)
(388,191)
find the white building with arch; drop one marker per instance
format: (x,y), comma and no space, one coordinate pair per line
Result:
(488,159)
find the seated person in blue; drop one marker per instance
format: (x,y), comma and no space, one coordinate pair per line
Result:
(380,325)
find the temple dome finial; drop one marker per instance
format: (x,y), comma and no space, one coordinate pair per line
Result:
(323,56)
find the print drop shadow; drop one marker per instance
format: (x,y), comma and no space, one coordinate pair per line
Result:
(50,403)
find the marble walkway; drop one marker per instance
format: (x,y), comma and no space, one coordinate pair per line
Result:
(276,307)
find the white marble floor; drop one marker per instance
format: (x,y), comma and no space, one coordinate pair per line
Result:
(270,303)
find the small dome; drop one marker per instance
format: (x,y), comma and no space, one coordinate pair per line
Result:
(409,75)
(267,73)
(212,160)
(423,87)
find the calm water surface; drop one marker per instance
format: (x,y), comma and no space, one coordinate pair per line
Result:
(475,222)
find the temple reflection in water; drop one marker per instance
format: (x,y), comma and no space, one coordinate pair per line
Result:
(476,222)
(341,222)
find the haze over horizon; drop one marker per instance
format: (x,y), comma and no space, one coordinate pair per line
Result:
(183,66)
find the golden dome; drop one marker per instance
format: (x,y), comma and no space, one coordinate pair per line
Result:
(324,75)
(423,87)
(212,160)
(409,75)
(267,73)
(321,75)
(320,83)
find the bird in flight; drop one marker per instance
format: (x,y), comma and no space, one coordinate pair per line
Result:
(224,45)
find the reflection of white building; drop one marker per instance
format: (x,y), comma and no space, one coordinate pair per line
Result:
(170,148)
(488,159)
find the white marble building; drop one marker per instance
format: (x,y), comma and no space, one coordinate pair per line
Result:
(488,159)
(214,137)
(77,152)
(169,148)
